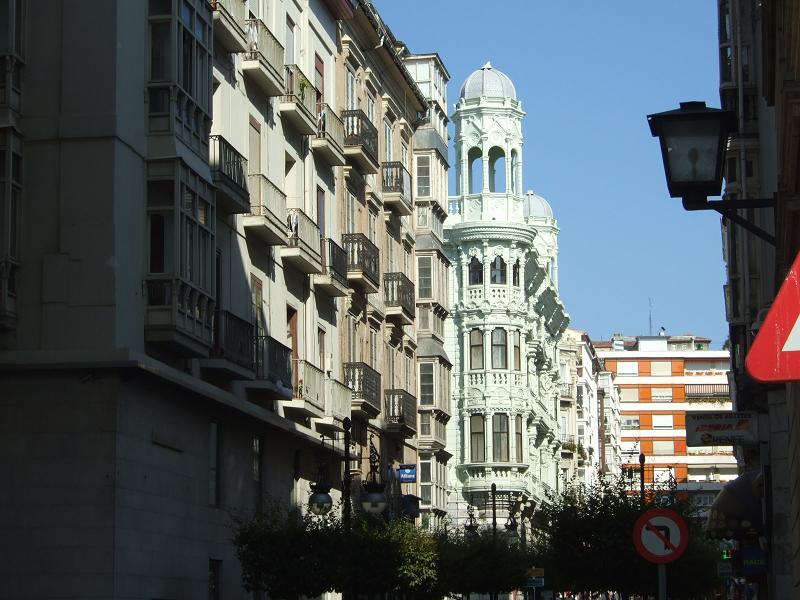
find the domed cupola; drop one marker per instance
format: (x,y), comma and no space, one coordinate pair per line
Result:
(488,82)
(536,207)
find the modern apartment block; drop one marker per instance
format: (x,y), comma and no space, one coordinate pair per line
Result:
(588,413)
(661,379)
(207,262)
(507,317)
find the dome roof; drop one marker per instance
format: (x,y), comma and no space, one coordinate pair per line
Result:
(488,81)
(537,207)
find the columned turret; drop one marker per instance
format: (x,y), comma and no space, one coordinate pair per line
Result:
(506,315)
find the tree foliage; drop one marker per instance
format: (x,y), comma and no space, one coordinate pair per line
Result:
(584,542)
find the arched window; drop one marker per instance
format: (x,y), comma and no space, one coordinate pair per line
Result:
(499,349)
(476,349)
(515,274)
(500,437)
(498,270)
(477,443)
(497,170)
(475,271)
(475,173)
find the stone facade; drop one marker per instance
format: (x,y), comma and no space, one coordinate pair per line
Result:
(506,314)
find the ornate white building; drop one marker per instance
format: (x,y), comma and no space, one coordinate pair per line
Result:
(506,315)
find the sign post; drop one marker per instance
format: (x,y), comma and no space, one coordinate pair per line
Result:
(660,536)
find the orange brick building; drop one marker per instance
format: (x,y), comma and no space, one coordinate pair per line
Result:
(660,379)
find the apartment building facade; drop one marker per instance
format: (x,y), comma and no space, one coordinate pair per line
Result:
(219,275)
(506,314)
(661,379)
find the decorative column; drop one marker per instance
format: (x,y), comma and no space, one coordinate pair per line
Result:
(485,189)
(487,352)
(508,174)
(518,174)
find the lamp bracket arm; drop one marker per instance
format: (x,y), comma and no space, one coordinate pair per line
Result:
(731,215)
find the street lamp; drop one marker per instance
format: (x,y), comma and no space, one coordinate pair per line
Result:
(373,501)
(693,142)
(320,501)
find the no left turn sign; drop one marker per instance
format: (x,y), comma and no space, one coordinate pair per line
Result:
(660,535)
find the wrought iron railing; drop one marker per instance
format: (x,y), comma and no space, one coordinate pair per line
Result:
(265,197)
(395,179)
(263,46)
(398,291)
(226,162)
(329,125)
(299,90)
(365,383)
(233,338)
(303,232)
(565,390)
(273,360)
(334,261)
(707,390)
(359,131)
(362,255)
(401,407)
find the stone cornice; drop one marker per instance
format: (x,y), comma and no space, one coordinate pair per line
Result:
(496,232)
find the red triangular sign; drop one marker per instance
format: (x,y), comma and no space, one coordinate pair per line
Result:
(775,353)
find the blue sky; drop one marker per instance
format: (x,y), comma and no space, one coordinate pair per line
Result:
(588,73)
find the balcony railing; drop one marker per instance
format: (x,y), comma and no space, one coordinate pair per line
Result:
(359,131)
(398,291)
(707,390)
(365,383)
(233,338)
(362,255)
(337,399)
(266,198)
(567,438)
(309,383)
(565,390)
(329,126)
(300,91)
(227,165)
(401,407)
(264,57)
(396,184)
(334,261)
(229,23)
(273,360)
(303,232)
(179,312)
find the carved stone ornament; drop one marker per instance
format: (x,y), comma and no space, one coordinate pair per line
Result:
(475,252)
(499,251)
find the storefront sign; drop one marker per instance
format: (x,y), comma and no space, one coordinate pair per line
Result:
(407,474)
(720,428)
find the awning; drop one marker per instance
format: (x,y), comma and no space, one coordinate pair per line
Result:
(736,511)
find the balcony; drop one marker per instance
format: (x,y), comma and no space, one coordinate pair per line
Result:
(707,392)
(299,102)
(229,24)
(229,173)
(329,141)
(338,399)
(233,345)
(267,209)
(308,397)
(360,141)
(432,432)
(263,60)
(396,188)
(366,385)
(333,279)
(565,390)
(179,316)
(11,68)
(303,246)
(398,298)
(479,477)
(363,264)
(273,367)
(401,413)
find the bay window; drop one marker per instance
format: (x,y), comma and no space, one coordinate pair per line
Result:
(515,335)
(426,384)
(498,270)
(423,176)
(500,437)
(476,349)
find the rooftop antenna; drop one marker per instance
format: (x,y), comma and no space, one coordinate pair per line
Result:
(650,317)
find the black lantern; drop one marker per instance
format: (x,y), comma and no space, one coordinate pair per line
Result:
(374,499)
(320,501)
(693,140)
(472,523)
(693,143)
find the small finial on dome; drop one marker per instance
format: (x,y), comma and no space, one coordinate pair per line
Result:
(488,65)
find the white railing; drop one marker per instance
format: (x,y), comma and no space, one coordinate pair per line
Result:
(338,398)
(309,383)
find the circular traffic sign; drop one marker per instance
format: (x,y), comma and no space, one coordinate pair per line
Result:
(660,535)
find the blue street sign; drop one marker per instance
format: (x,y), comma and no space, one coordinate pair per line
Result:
(407,474)
(534,582)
